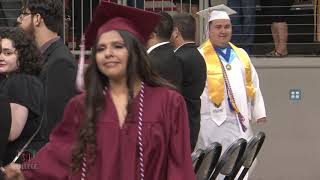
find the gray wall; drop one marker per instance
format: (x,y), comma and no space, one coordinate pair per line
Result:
(292,147)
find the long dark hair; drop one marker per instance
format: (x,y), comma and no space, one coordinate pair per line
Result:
(138,68)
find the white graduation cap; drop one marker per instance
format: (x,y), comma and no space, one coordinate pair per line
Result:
(217,12)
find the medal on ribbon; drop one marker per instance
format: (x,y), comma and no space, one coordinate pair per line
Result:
(228,67)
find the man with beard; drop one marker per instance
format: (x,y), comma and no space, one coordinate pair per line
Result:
(42,19)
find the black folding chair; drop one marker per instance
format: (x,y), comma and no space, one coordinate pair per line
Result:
(253,149)
(197,159)
(5,123)
(227,163)
(209,162)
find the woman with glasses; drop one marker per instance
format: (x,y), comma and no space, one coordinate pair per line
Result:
(19,64)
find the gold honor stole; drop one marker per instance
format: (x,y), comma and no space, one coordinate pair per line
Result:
(215,76)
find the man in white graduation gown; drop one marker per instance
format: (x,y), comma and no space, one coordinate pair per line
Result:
(232,97)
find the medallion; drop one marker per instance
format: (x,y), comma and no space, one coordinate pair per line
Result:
(217,105)
(228,67)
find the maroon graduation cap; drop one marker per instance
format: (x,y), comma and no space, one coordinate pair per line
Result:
(111,16)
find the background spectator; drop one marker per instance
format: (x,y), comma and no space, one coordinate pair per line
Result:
(278,10)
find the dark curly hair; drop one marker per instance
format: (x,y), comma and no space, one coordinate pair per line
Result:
(50,10)
(28,52)
(138,68)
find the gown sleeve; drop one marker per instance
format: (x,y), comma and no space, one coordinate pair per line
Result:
(53,161)
(179,158)
(257,106)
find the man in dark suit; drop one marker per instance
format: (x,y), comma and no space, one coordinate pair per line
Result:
(163,60)
(194,69)
(42,19)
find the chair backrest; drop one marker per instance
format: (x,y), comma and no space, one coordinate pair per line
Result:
(197,159)
(229,159)
(5,123)
(251,153)
(209,162)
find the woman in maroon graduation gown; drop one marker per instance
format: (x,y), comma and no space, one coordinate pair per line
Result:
(129,124)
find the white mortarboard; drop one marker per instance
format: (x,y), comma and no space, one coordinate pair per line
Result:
(217,12)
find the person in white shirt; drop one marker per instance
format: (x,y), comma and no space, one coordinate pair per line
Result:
(232,97)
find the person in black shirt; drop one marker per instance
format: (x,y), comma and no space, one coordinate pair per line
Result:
(19,63)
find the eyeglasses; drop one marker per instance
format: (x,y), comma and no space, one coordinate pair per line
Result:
(7,52)
(24,14)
